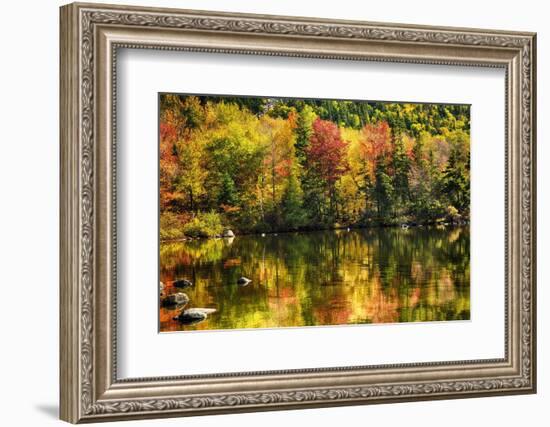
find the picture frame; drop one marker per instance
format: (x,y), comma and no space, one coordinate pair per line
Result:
(91,35)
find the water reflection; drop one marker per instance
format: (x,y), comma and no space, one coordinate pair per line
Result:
(322,278)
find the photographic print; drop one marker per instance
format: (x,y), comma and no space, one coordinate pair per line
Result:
(289,212)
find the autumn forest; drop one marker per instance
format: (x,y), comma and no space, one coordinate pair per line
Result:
(263,165)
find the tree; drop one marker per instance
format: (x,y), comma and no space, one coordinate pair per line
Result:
(291,204)
(278,161)
(325,155)
(168,163)
(234,149)
(374,147)
(456,185)
(191,175)
(353,186)
(427,201)
(228,194)
(304,129)
(181,174)
(401,166)
(383,190)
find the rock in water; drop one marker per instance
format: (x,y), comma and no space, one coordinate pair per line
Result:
(182,283)
(202,310)
(243,281)
(194,315)
(175,299)
(228,233)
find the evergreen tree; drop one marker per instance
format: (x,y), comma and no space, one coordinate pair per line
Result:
(228,192)
(291,204)
(456,183)
(401,167)
(383,190)
(304,130)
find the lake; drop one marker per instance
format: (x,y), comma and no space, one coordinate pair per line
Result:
(335,277)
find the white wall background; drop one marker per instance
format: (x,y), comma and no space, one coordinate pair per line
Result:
(29,171)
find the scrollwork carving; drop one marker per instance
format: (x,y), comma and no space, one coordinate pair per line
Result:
(90,18)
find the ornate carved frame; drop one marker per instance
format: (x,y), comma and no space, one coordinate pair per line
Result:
(90,36)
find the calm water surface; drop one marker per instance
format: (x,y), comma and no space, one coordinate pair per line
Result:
(333,277)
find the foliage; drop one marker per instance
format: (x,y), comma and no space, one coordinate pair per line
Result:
(325,157)
(274,164)
(206,224)
(171,226)
(293,213)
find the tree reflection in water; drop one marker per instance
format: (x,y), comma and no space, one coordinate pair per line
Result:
(374,275)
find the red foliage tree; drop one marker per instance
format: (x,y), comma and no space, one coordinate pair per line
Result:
(168,162)
(326,156)
(327,150)
(375,145)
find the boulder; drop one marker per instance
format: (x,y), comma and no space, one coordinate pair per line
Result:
(175,299)
(228,233)
(201,310)
(243,281)
(182,283)
(194,315)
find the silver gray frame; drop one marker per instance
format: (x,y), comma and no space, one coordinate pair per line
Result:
(90,37)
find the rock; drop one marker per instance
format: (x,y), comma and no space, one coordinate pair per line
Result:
(201,310)
(175,299)
(194,315)
(405,226)
(243,281)
(190,318)
(182,283)
(228,233)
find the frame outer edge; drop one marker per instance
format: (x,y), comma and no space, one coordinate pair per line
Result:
(77,227)
(69,356)
(304,19)
(533,219)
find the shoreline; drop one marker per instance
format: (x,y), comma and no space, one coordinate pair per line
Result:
(311,230)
